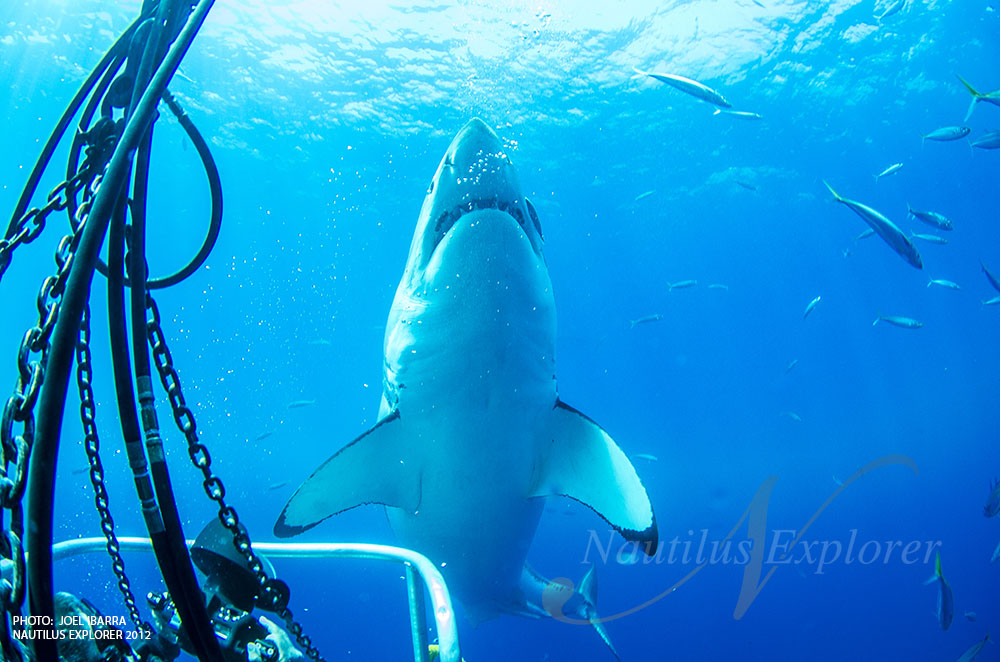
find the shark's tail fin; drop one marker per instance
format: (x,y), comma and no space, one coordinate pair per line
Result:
(588,591)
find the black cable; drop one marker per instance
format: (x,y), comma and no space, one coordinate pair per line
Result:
(52,399)
(215,189)
(43,159)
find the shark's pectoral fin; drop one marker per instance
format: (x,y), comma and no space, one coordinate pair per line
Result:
(370,469)
(581,461)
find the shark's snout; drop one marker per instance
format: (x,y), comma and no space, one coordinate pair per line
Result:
(476,173)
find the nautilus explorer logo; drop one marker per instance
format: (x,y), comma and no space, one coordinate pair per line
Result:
(761,552)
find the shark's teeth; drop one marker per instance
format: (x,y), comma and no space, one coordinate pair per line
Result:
(448,219)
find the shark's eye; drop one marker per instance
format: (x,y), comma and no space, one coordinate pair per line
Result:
(534,218)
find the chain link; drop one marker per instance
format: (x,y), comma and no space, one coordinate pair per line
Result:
(15,445)
(274,593)
(92,444)
(32,222)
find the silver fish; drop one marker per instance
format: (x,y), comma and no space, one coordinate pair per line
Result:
(946,133)
(792,415)
(791,364)
(645,319)
(904,322)
(810,306)
(644,195)
(970,616)
(298,404)
(940,282)
(749,187)
(996,554)
(991,302)
(893,8)
(894,168)
(646,456)
(864,234)
(977,97)
(719,286)
(692,87)
(930,238)
(885,229)
(681,285)
(932,218)
(994,281)
(263,435)
(738,114)
(974,649)
(989,140)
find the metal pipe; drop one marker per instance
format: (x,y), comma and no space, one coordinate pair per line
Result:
(444,613)
(418,614)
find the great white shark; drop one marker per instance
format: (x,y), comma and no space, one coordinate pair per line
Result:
(472,435)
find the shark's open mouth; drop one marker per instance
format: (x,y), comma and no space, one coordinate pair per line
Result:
(513,209)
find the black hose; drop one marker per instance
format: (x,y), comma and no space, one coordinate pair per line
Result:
(215,189)
(43,159)
(52,399)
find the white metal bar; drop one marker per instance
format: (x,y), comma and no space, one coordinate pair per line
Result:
(444,613)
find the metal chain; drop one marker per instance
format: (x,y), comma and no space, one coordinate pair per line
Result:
(274,593)
(32,222)
(15,449)
(92,444)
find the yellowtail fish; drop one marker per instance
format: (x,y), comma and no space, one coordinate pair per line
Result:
(810,306)
(946,133)
(891,170)
(940,282)
(994,281)
(298,404)
(929,238)
(885,228)
(738,114)
(992,506)
(692,87)
(681,285)
(932,218)
(973,652)
(646,456)
(988,97)
(645,319)
(946,599)
(896,320)
(989,140)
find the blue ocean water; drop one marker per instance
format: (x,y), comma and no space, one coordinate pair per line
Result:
(327,123)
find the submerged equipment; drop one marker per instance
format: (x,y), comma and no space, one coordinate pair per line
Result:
(99,193)
(104,195)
